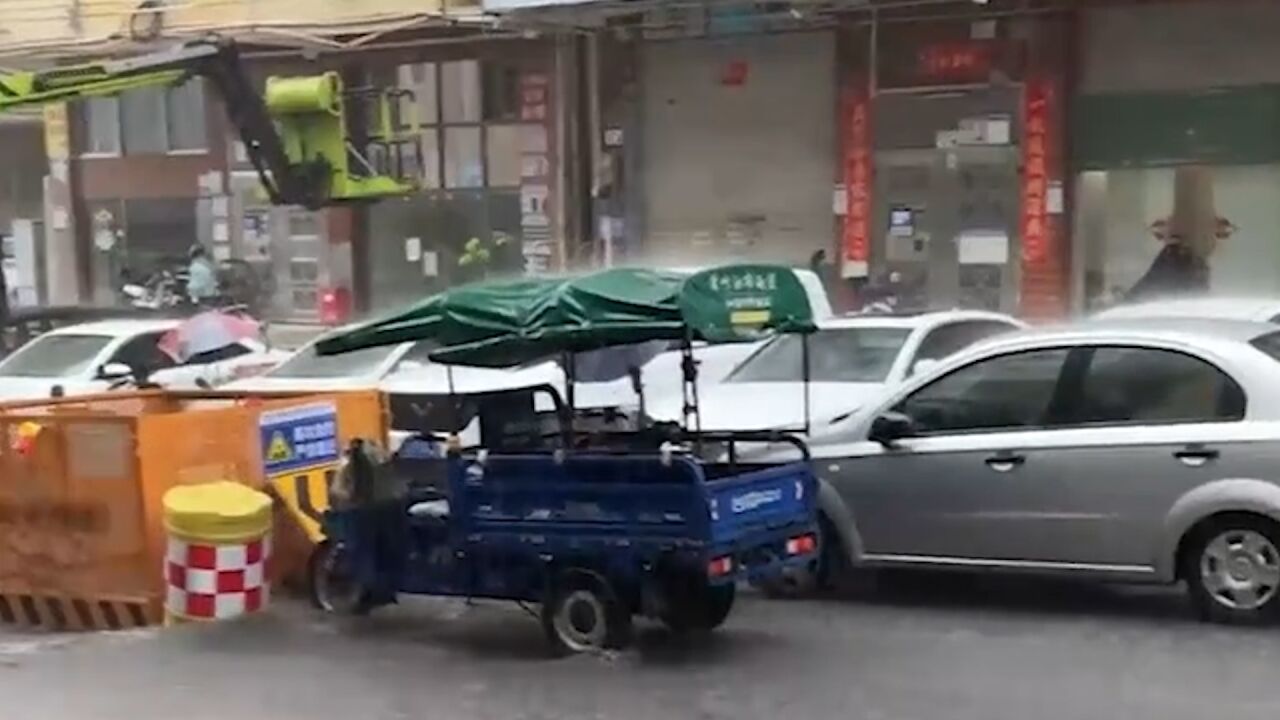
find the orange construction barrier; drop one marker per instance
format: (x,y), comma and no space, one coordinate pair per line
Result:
(82,539)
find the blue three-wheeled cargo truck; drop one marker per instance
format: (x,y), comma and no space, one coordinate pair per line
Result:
(595,524)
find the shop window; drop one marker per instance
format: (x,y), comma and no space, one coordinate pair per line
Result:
(465,111)
(305,300)
(503,161)
(158,233)
(1159,232)
(462,158)
(304,224)
(501,92)
(304,271)
(146,121)
(460,91)
(142,120)
(184,113)
(430,170)
(101,126)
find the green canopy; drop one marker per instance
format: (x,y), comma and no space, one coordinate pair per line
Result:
(501,324)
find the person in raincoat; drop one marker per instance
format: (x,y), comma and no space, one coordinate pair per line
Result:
(202,277)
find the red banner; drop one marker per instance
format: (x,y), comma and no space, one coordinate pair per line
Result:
(1043,285)
(855,241)
(1035,172)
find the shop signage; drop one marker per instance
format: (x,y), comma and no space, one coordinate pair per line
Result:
(57,142)
(299,438)
(1043,282)
(537,246)
(855,241)
(1035,176)
(951,62)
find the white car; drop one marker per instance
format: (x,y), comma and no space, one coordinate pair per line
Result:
(306,371)
(1213,308)
(420,397)
(853,360)
(93,357)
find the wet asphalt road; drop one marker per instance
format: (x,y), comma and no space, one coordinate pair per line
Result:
(929,647)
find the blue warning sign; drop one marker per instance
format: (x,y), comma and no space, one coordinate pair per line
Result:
(297,438)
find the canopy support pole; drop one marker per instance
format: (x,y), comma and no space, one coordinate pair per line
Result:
(804,361)
(689,371)
(455,415)
(570,395)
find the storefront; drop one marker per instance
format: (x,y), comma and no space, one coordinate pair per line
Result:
(950,171)
(928,150)
(1179,158)
(739,147)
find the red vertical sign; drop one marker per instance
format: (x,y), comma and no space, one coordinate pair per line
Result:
(1035,173)
(1043,282)
(855,241)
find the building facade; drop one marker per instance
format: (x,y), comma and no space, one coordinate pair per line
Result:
(925,145)
(135,181)
(1032,157)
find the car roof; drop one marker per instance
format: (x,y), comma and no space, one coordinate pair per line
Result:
(1240,308)
(1222,336)
(118,328)
(914,320)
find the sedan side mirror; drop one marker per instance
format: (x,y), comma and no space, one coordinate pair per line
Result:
(888,428)
(114,371)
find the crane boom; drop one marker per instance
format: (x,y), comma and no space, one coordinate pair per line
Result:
(296,136)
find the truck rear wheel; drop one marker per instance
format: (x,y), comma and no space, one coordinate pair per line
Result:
(696,606)
(583,614)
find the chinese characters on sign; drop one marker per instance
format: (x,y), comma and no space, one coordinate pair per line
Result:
(298,438)
(737,282)
(855,240)
(1035,176)
(1043,281)
(954,62)
(535,175)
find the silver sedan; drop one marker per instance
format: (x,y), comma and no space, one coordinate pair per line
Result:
(1127,451)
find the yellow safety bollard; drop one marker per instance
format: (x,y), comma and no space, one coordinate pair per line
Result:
(219,544)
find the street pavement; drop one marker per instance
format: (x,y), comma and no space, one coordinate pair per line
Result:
(924,648)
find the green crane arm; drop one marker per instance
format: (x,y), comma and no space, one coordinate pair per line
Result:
(296,136)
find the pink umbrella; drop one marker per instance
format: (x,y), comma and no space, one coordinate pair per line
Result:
(210,330)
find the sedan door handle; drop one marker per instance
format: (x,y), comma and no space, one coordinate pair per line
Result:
(1005,462)
(1196,455)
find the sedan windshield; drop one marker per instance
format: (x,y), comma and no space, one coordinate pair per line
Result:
(852,355)
(52,356)
(307,364)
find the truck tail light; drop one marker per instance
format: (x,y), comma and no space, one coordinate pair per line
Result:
(720,566)
(802,545)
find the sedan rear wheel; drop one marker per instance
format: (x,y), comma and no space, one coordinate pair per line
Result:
(1234,571)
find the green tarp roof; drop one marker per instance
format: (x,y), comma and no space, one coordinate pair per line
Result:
(502,324)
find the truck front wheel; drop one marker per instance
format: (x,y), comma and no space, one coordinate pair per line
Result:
(331,588)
